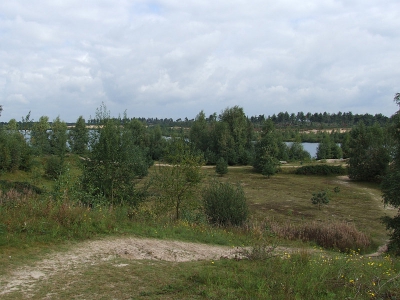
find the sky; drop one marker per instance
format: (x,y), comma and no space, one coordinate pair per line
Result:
(172,59)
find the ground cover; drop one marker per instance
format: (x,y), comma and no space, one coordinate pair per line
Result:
(125,264)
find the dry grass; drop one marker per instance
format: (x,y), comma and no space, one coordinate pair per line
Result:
(286,198)
(332,235)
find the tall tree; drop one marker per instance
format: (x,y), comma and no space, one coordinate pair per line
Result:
(175,186)
(391,185)
(267,150)
(58,138)
(114,162)
(15,153)
(79,137)
(369,154)
(199,135)
(327,148)
(240,129)
(40,136)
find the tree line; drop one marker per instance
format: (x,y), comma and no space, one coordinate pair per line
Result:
(282,119)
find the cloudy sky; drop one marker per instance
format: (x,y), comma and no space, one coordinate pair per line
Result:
(174,58)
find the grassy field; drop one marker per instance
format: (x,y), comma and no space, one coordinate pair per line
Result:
(304,271)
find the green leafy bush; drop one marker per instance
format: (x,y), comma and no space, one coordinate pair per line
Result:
(221,167)
(319,198)
(225,203)
(53,167)
(321,170)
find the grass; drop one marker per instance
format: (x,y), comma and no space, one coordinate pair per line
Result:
(301,275)
(32,226)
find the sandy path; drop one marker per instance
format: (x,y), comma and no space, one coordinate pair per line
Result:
(93,252)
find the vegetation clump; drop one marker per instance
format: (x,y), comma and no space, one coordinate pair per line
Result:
(341,236)
(225,203)
(323,169)
(320,198)
(391,186)
(221,167)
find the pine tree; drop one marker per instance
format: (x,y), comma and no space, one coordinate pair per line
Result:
(391,186)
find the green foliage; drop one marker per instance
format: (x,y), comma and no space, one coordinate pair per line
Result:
(369,153)
(53,167)
(271,166)
(221,167)
(15,153)
(229,137)
(19,187)
(40,136)
(225,204)
(78,137)
(328,148)
(319,198)
(268,150)
(114,163)
(296,151)
(321,170)
(58,138)
(175,186)
(391,185)
(345,145)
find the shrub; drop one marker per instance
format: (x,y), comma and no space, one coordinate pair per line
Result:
(225,203)
(319,198)
(54,167)
(221,167)
(320,170)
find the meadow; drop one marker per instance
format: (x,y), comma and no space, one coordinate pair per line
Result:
(289,249)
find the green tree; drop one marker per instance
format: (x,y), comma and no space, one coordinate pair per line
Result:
(40,136)
(114,163)
(391,185)
(345,146)
(297,152)
(320,198)
(58,138)
(199,135)
(267,150)
(327,148)
(78,137)
(157,142)
(271,166)
(15,153)
(241,131)
(369,153)
(176,185)
(221,167)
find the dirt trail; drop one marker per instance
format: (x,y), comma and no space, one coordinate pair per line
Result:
(93,252)
(376,195)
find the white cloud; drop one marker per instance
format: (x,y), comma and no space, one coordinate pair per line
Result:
(170,58)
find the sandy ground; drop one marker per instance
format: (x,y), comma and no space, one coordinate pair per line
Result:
(92,252)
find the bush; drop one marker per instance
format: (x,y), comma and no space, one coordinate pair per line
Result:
(221,167)
(319,198)
(321,170)
(225,203)
(54,167)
